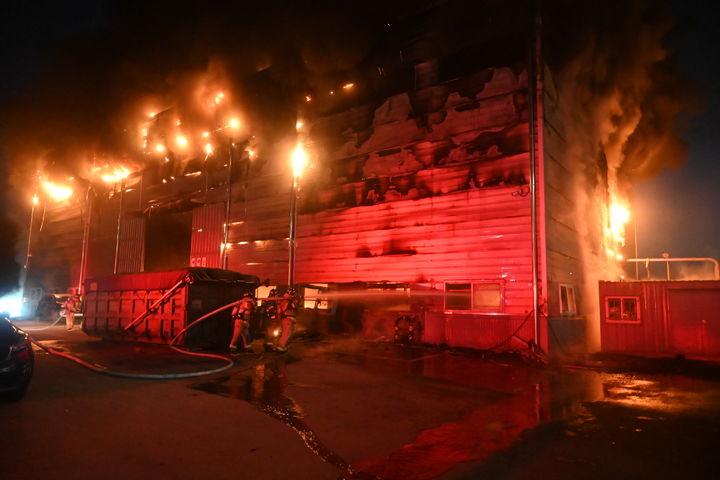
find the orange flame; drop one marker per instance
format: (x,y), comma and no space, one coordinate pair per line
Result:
(57,192)
(299,160)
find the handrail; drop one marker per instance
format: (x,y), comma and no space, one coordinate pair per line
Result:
(155,304)
(716,264)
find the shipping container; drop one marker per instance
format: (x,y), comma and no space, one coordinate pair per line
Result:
(661,317)
(162,304)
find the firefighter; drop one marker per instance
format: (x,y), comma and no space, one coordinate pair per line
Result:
(287,306)
(70,308)
(241,314)
(271,322)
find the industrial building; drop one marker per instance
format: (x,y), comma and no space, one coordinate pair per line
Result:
(442,182)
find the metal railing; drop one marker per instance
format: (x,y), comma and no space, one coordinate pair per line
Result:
(668,260)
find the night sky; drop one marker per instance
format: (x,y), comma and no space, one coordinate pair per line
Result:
(677,211)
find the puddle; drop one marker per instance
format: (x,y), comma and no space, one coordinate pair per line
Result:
(264,387)
(534,397)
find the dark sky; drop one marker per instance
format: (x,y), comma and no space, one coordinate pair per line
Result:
(677,211)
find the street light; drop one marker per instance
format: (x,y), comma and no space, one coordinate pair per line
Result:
(299,160)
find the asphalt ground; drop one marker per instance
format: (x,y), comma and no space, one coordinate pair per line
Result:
(343,408)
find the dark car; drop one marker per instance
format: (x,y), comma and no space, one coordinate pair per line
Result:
(16,361)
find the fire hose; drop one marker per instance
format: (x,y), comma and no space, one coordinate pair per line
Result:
(144,376)
(60,317)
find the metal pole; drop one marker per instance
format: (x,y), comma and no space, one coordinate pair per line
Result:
(228,200)
(532,87)
(85,242)
(291,240)
(293,226)
(637,266)
(24,273)
(119,224)
(27,253)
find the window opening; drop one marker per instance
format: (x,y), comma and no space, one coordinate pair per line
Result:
(481,296)
(568,305)
(622,310)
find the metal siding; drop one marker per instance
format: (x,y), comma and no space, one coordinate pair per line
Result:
(132,244)
(668,322)
(694,321)
(207,235)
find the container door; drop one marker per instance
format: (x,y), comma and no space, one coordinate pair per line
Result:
(695,321)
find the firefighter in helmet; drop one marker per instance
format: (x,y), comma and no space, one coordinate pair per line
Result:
(241,314)
(70,307)
(286,313)
(271,322)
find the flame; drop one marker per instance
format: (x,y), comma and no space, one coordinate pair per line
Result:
(234,123)
(117,175)
(160,148)
(308,98)
(57,192)
(299,124)
(181,141)
(348,86)
(619,216)
(208,149)
(299,159)
(35,200)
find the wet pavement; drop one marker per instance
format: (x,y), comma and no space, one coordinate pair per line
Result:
(382,411)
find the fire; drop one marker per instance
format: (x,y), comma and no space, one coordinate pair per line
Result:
(348,86)
(160,148)
(181,141)
(57,192)
(117,175)
(35,200)
(619,216)
(208,149)
(299,159)
(234,123)
(299,124)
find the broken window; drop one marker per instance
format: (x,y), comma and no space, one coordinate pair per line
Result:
(481,296)
(622,309)
(567,300)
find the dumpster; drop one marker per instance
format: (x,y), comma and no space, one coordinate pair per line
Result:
(155,307)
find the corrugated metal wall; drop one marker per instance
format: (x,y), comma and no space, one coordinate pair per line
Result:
(131,248)
(429,187)
(674,317)
(207,236)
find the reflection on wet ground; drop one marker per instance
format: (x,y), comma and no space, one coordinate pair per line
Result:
(264,387)
(533,397)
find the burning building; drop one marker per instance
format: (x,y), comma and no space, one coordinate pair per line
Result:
(462,173)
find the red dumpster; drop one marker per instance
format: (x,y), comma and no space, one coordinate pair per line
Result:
(160,304)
